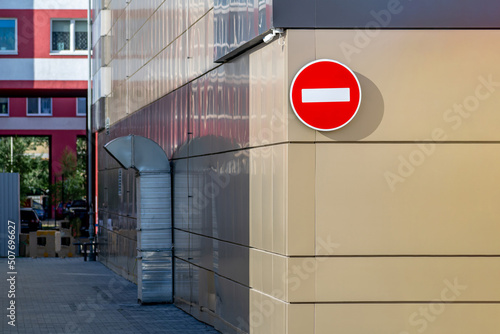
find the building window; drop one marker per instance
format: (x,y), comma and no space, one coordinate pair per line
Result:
(81,106)
(4,106)
(69,36)
(39,106)
(8,36)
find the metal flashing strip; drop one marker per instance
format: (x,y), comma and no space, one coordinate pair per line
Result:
(380,14)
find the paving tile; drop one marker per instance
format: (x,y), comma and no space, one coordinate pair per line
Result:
(70,296)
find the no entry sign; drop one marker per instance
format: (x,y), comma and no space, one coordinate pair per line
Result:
(325,95)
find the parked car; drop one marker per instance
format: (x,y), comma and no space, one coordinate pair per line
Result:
(62,210)
(76,206)
(66,206)
(40,211)
(30,221)
(59,211)
(79,209)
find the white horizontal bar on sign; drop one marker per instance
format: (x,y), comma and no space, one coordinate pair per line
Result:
(326,95)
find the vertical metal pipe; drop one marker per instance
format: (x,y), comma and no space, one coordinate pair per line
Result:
(89,131)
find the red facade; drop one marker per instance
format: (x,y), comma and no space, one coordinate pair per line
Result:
(43,75)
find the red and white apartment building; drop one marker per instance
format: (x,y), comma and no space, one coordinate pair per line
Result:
(44,71)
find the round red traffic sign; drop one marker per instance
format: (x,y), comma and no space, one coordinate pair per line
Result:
(325,95)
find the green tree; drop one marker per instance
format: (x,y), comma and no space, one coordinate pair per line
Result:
(81,156)
(71,181)
(33,170)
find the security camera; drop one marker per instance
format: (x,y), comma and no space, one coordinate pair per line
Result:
(269,37)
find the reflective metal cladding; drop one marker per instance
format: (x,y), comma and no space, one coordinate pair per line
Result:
(237,23)
(203,127)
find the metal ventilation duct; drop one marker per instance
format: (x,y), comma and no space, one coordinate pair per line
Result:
(154,217)
(139,153)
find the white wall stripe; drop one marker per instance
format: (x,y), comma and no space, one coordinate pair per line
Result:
(43,69)
(44,4)
(42,123)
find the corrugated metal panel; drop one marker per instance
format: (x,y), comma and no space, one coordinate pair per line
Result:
(154,238)
(9,209)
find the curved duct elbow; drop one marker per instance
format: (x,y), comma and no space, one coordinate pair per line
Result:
(140,153)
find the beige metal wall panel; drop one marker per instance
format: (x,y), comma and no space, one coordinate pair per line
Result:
(408,199)
(271,315)
(435,318)
(267,315)
(300,319)
(268,198)
(301,211)
(282,194)
(410,82)
(268,99)
(268,273)
(405,279)
(301,49)
(416,81)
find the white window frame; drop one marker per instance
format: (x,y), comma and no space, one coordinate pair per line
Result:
(40,107)
(71,50)
(77,99)
(11,52)
(8,108)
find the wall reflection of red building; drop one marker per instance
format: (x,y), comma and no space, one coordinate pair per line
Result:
(43,72)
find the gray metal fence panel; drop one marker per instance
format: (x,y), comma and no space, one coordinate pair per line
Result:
(9,210)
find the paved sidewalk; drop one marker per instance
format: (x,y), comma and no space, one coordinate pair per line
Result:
(55,295)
